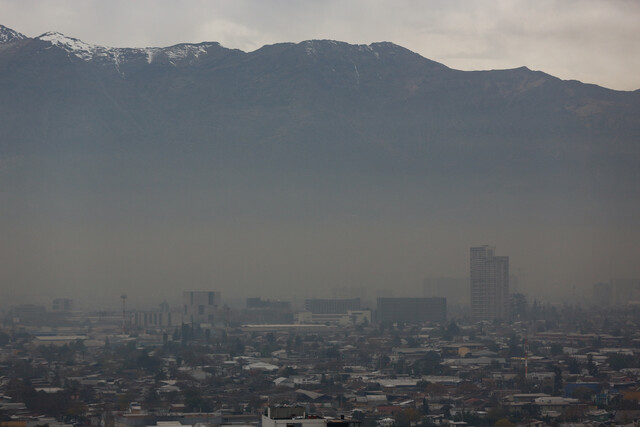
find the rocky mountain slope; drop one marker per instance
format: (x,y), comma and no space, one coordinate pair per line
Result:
(316,105)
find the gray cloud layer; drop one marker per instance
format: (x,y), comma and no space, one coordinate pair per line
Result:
(589,40)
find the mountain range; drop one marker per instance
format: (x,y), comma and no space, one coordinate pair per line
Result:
(317,102)
(294,131)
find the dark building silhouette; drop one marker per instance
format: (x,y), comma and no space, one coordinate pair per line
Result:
(258,303)
(412,310)
(62,305)
(331,306)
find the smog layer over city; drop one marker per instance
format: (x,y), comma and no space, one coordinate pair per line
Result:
(308,213)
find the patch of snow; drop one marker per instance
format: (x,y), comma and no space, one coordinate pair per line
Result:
(79,48)
(117,56)
(183,51)
(310,48)
(117,60)
(150,53)
(8,35)
(177,53)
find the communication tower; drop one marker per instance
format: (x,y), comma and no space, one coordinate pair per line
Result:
(124,299)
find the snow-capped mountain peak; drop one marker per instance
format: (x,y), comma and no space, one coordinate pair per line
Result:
(180,52)
(79,48)
(88,52)
(8,35)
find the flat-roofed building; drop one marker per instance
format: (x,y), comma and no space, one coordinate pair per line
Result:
(62,305)
(351,317)
(331,305)
(157,318)
(294,416)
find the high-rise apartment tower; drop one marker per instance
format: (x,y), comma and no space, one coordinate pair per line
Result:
(200,306)
(489,284)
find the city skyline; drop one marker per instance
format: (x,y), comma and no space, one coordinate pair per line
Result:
(337,213)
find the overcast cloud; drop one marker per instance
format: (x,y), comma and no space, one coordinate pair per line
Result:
(588,40)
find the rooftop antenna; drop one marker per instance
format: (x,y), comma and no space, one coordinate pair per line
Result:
(526,358)
(124,298)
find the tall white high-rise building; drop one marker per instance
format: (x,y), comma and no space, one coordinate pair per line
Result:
(489,284)
(200,306)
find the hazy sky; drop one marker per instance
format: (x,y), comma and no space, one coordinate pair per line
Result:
(589,40)
(68,240)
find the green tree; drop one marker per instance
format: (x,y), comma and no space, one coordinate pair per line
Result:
(591,366)
(407,417)
(556,349)
(195,402)
(4,339)
(452,331)
(572,366)
(583,393)
(557,380)
(424,408)
(429,364)
(503,422)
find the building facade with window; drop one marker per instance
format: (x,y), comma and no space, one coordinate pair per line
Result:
(331,305)
(489,284)
(200,306)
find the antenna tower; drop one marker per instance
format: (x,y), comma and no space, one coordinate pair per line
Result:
(124,299)
(526,358)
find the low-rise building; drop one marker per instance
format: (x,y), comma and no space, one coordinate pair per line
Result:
(296,416)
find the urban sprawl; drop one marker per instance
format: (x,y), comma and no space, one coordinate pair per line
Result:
(334,362)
